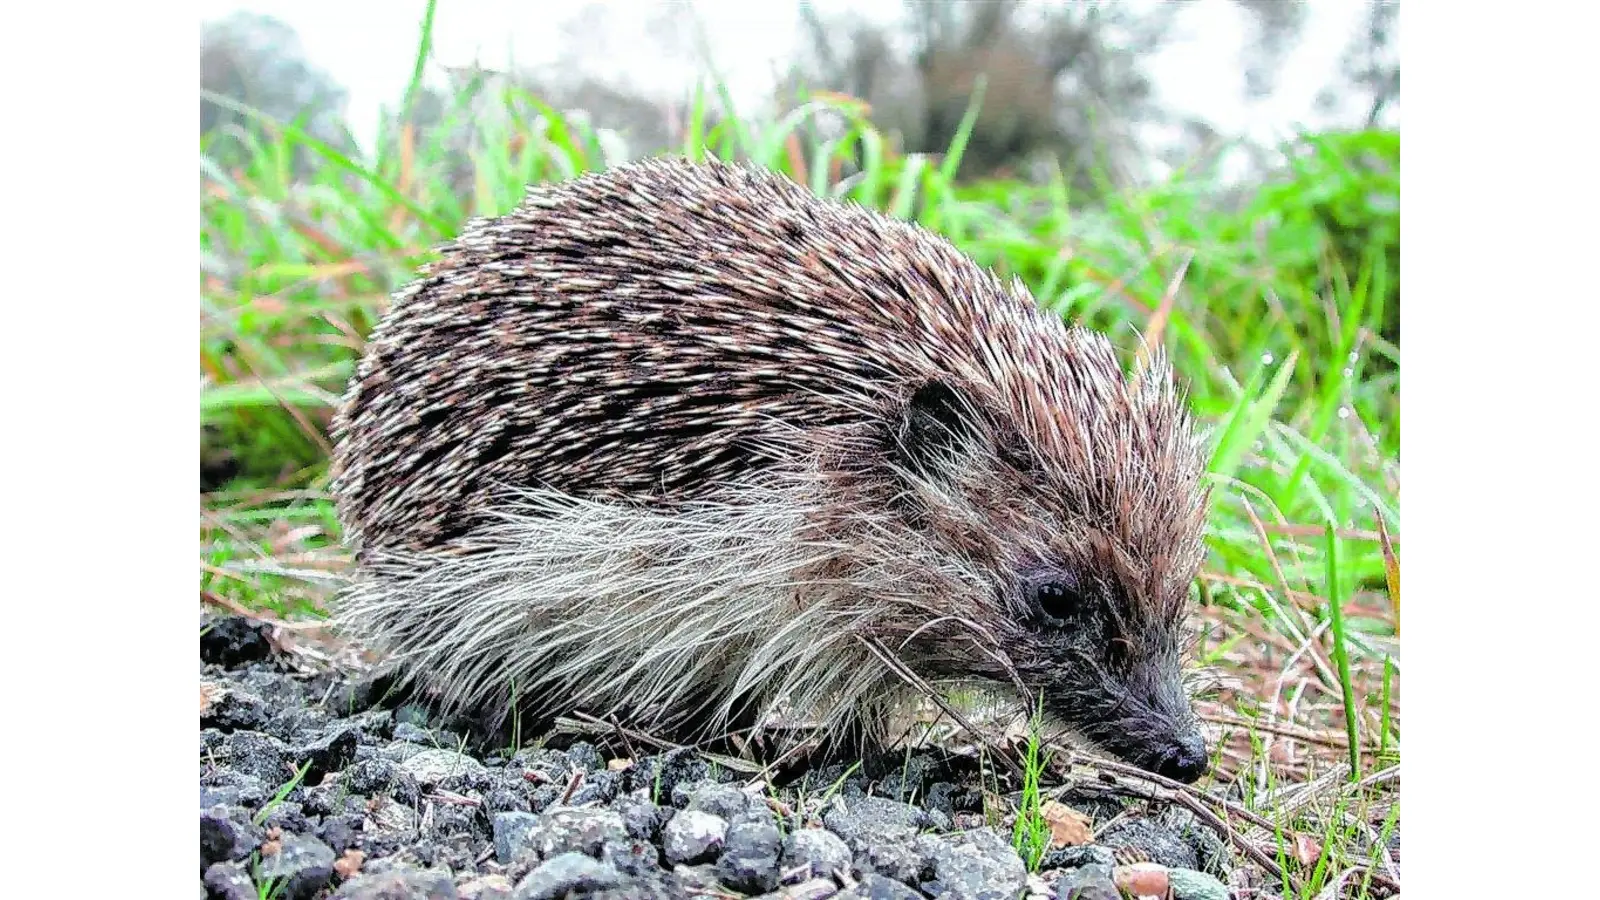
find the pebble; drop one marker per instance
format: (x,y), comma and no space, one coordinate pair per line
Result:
(693,837)
(750,853)
(228,881)
(394,805)
(586,831)
(820,852)
(1188,884)
(1155,842)
(226,834)
(877,887)
(1073,857)
(566,874)
(401,884)
(302,865)
(1088,882)
(722,800)
(486,887)
(510,833)
(1141,879)
(867,819)
(972,865)
(430,767)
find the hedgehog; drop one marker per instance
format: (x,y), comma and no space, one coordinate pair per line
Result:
(685,445)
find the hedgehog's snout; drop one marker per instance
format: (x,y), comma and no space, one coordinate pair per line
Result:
(1173,748)
(1143,718)
(1177,752)
(1185,760)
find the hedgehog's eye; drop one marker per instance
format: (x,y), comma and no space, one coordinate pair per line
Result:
(1057,598)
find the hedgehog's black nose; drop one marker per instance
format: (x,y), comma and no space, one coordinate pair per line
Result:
(1185,761)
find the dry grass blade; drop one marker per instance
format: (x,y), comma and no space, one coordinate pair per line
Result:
(1157,324)
(1391,569)
(1323,668)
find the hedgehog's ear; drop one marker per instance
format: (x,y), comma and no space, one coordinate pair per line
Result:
(936,429)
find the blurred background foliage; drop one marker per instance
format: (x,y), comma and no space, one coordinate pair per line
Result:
(1027,132)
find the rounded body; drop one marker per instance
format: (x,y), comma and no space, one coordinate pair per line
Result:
(686,445)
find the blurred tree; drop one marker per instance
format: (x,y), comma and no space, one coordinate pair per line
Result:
(1061,79)
(1276,27)
(258,61)
(1369,71)
(473,104)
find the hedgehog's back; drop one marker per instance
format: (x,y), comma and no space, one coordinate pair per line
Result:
(634,335)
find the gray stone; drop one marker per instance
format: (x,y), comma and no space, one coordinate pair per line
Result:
(228,881)
(597,787)
(303,865)
(702,877)
(399,884)
(693,837)
(387,816)
(487,887)
(585,758)
(636,858)
(750,853)
(1073,857)
(330,751)
(877,887)
(287,816)
(815,852)
(814,889)
(400,751)
(896,859)
(1187,884)
(374,776)
(722,800)
(433,766)
(253,753)
(341,832)
(642,818)
(226,834)
(510,832)
(564,874)
(1154,841)
(972,865)
(414,733)
(566,830)
(1209,847)
(864,820)
(1088,882)
(236,710)
(659,776)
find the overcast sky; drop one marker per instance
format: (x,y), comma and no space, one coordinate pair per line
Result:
(368,47)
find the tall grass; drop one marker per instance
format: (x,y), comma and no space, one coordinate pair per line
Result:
(1277,303)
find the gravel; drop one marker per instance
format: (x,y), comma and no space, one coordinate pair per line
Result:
(693,836)
(1088,882)
(1152,841)
(309,790)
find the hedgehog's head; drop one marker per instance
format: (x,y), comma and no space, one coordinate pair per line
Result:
(1064,513)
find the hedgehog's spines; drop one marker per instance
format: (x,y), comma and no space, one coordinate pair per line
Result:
(653,439)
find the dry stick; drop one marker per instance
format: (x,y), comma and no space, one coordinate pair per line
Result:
(765,774)
(1191,797)
(916,681)
(729,762)
(1289,731)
